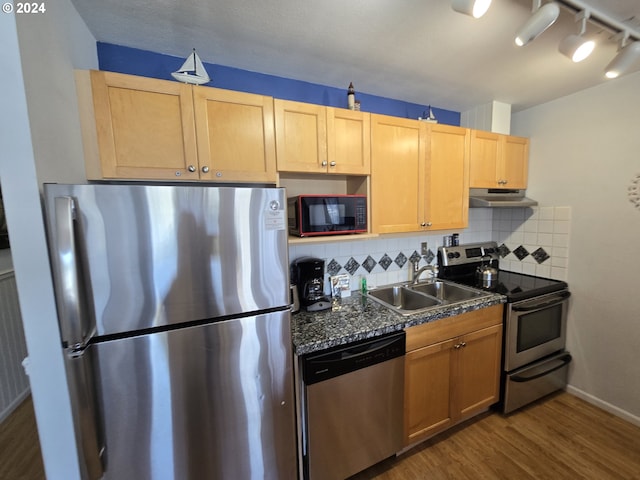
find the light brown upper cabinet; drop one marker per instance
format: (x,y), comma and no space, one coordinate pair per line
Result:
(143,128)
(317,139)
(498,161)
(419,175)
(235,135)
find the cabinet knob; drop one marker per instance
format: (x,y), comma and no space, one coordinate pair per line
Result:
(423,224)
(429,224)
(463,344)
(457,346)
(324,163)
(332,164)
(205,169)
(191,168)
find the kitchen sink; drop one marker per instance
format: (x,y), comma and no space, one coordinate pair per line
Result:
(447,292)
(403,300)
(408,299)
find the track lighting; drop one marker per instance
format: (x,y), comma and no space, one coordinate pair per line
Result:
(474,8)
(542,18)
(627,56)
(576,47)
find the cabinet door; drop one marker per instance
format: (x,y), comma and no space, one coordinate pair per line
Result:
(144,127)
(348,141)
(447,182)
(398,150)
(301,133)
(427,391)
(483,168)
(235,136)
(477,371)
(515,162)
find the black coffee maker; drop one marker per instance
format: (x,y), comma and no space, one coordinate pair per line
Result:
(307,274)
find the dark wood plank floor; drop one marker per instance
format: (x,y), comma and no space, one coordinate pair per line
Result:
(561,437)
(20,457)
(558,438)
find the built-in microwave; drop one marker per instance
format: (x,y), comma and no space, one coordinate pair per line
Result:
(312,215)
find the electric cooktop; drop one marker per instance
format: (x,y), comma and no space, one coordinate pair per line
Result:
(459,263)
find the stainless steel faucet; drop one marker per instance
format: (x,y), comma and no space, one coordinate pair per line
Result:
(415,272)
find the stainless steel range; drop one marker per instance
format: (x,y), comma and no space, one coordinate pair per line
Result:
(535,362)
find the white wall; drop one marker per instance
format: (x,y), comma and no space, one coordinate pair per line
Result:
(40,138)
(585,153)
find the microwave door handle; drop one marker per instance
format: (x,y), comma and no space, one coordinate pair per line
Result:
(556,300)
(557,364)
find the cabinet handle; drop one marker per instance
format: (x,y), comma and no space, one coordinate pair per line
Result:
(324,163)
(429,224)
(423,224)
(463,344)
(191,168)
(332,164)
(205,169)
(457,346)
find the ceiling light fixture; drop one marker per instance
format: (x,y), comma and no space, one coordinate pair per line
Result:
(474,8)
(576,47)
(542,18)
(628,55)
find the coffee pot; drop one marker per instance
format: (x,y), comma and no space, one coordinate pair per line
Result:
(307,274)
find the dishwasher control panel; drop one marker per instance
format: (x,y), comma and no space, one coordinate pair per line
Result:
(327,364)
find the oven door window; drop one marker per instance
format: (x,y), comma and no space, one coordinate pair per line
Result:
(539,327)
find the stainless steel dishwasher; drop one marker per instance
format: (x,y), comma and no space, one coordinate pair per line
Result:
(352,406)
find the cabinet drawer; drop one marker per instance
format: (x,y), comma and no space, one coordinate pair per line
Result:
(445,328)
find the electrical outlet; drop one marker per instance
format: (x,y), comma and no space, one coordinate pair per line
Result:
(424,249)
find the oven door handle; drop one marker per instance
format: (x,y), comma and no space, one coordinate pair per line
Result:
(557,299)
(559,363)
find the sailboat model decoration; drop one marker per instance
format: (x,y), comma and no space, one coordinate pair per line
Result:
(192,71)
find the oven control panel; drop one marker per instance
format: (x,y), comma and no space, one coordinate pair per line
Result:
(484,252)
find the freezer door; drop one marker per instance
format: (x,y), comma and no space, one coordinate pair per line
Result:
(207,402)
(149,256)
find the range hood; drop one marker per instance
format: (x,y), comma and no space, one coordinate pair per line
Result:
(499,198)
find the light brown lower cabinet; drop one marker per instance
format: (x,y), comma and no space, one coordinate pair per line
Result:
(452,371)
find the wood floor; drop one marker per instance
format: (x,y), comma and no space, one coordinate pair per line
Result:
(20,457)
(561,437)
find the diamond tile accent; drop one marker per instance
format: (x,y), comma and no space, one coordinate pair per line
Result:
(351,266)
(400,259)
(521,252)
(540,255)
(429,256)
(333,267)
(369,263)
(503,250)
(385,261)
(415,257)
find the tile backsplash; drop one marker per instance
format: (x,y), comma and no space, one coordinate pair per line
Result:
(532,240)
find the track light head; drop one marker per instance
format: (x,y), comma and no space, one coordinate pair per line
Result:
(541,19)
(474,8)
(625,59)
(576,47)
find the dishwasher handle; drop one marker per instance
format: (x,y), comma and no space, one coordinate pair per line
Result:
(353,356)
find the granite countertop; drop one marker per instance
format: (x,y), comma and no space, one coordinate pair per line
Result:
(358,317)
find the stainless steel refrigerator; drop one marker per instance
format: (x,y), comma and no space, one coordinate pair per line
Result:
(173,304)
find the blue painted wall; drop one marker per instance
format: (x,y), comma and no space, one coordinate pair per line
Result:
(116,58)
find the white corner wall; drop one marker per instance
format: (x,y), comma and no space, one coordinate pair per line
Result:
(585,154)
(40,138)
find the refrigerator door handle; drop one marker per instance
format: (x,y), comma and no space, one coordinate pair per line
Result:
(77,329)
(74,318)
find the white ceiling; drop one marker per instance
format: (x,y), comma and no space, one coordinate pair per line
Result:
(414,50)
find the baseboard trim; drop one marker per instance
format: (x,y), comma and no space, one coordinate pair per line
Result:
(13,405)
(618,412)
